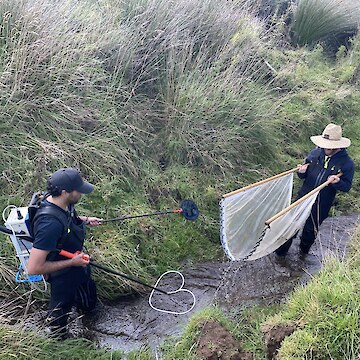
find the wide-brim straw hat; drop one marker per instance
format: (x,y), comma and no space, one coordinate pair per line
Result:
(331,138)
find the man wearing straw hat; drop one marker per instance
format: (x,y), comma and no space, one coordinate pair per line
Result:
(328,161)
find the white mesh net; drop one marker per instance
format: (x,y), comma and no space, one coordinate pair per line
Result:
(244,234)
(283,228)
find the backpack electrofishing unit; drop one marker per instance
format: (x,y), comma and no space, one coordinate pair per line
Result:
(19,225)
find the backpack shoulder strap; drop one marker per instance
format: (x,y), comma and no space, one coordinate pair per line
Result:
(59,215)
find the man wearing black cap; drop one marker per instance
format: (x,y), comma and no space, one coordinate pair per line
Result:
(58,227)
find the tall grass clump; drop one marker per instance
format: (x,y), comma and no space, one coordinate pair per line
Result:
(217,103)
(186,346)
(105,85)
(59,104)
(109,91)
(318,20)
(203,65)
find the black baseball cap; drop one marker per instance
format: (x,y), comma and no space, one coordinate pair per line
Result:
(69,179)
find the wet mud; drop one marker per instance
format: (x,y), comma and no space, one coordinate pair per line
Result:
(131,323)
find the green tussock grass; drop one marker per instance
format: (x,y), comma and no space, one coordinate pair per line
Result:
(327,310)
(185,347)
(248,327)
(197,117)
(26,345)
(316,20)
(159,101)
(20,344)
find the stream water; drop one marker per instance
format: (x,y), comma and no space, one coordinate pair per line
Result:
(132,323)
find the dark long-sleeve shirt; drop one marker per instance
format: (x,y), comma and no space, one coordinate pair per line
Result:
(319,170)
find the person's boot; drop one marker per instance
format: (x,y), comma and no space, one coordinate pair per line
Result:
(55,331)
(91,317)
(280,264)
(303,252)
(58,333)
(302,255)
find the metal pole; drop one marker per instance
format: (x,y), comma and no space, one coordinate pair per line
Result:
(70,255)
(166,212)
(111,271)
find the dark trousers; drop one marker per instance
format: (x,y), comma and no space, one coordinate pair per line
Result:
(73,288)
(310,230)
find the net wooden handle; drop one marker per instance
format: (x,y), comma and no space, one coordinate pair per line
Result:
(297,202)
(260,182)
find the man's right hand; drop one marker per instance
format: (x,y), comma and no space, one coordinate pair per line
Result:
(79,260)
(303,168)
(38,264)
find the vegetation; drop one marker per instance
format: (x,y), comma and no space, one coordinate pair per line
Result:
(328,311)
(146,127)
(158,101)
(245,326)
(321,20)
(19,341)
(33,346)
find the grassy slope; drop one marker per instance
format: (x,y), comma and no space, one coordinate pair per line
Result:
(148,130)
(328,309)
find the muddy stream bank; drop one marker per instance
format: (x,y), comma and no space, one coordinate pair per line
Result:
(131,323)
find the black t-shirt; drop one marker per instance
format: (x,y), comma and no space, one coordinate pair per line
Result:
(48,231)
(49,236)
